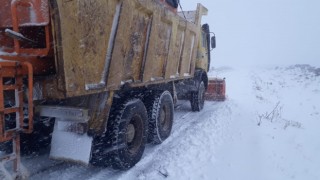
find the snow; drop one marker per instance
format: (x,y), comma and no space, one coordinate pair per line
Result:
(14,33)
(281,147)
(186,75)
(5,174)
(266,129)
(3,53)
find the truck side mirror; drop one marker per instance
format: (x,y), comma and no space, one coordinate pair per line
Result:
(213,42)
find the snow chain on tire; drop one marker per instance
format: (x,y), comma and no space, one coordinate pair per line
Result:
(197,98)
(160,112)
(124,154)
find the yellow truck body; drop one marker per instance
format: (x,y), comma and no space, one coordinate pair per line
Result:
(110,42)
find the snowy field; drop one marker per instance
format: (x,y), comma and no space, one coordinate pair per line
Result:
(267,129)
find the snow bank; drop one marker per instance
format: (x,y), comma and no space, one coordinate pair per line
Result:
(274,126)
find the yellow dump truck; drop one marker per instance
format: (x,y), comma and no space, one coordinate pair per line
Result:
(97,79)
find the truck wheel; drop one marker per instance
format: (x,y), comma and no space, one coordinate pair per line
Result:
(128,133)
(39,139)
(160,113)
(197,98)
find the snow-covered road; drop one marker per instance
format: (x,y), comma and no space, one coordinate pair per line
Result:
(189,148)
(267,130)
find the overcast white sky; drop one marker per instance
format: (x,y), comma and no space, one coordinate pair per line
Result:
(259,32)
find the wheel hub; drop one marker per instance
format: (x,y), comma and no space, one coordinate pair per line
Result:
(134,134)
(130,133)
(164,118)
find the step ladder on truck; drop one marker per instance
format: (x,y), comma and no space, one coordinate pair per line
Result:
(98,89)
(15,72)
(18,56)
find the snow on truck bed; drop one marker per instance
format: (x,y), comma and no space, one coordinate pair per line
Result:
(267,129)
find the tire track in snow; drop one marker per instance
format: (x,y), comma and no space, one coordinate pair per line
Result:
(190,130)
(192,134)
(65,171)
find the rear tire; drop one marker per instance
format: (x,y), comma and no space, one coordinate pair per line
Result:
(38,140)
(160,112)
(128,133)
(197,98)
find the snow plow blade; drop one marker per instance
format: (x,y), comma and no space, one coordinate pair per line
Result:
(216,90)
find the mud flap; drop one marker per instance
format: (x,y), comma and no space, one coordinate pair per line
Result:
(69,138)
(69,145)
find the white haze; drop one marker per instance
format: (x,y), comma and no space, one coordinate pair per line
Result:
(263,32)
